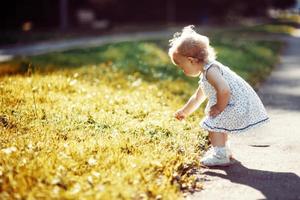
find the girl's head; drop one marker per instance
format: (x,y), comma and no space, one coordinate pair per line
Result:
(190,51)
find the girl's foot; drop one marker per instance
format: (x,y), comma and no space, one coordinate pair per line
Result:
(211,150)
(218,157)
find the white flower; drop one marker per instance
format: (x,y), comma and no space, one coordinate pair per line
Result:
(137,83)
(90,179)
(55,180)
(73,82)
(63,155)
(9,150)
(96,174)
(114,133)
(92,161)
(75,75)
(100,187)
(56,190)
(60,168)
(76,188)
(29,146)
(65,145)
(23,161)
(133,165)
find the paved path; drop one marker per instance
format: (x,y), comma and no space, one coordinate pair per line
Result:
(267,164)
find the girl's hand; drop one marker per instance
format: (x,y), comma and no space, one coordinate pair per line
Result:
(214,111)
(180,114)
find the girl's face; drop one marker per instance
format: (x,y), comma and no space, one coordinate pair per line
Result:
(190,66)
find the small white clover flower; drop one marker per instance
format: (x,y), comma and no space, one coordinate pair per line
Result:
(92,161)
(9,150)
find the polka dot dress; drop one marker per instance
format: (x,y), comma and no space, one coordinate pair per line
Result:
(244,110)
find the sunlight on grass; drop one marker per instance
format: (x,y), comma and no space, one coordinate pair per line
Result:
(94,132)
(98,123)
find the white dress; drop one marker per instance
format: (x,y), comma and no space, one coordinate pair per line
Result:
(244,110)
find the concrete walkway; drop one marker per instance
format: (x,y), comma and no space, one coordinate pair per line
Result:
(267,164)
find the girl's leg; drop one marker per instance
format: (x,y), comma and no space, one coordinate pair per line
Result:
(217,139)
(219,156)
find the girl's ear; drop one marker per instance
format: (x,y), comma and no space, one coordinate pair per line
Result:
(193,60)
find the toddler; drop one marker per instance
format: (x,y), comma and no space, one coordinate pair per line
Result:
(233,106)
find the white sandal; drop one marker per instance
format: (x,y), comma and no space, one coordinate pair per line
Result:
(218,157)
(227,145)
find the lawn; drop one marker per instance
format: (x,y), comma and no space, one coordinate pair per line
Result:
(98,123)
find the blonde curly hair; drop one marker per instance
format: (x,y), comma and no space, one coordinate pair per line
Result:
(189,43)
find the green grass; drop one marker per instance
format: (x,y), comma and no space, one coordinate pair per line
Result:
(98,123)
(253,60)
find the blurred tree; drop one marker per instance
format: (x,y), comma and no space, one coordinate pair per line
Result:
(135,10)
(171,10)
(283,4)
(182,10)
(54,13)
(63,8)
(41,13)
(103,8)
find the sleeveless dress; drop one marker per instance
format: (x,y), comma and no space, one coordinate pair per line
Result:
(244,110)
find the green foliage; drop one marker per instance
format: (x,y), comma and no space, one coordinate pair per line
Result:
(253,60)
(145,58)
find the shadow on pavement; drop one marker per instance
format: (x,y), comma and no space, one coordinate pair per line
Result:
(273,185)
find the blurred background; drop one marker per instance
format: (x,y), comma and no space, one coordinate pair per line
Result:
(97,16)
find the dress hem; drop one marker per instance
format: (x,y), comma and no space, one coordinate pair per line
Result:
(240,130)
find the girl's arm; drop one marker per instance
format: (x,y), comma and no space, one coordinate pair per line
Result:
(194,102)
(222,88)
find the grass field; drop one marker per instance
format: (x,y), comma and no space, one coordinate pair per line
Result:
(98,123)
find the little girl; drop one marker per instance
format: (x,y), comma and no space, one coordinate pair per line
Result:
(233,106)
